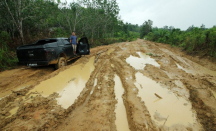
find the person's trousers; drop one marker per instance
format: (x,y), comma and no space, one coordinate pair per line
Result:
(74,47)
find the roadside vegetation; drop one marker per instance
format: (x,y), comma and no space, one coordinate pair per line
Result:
(8,58)
(25,21)
(195,40)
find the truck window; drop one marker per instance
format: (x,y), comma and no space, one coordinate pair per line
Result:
(43,42)
(60,43)
(66,41)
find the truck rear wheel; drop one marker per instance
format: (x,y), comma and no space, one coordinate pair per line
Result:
(61,62)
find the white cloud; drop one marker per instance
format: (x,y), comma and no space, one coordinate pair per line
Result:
(177,13)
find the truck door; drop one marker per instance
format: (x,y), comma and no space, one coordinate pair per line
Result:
(68,48)
(83,47)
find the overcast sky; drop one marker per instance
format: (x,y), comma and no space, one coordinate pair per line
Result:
(177,13)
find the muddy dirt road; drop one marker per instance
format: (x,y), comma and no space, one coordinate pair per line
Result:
(137,86)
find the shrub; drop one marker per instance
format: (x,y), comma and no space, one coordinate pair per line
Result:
(8,58)
(196,40)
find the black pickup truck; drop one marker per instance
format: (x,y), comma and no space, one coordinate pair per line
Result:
(51,51)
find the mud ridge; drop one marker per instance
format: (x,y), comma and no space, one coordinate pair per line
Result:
(133,109)
(204,112)
(139,85)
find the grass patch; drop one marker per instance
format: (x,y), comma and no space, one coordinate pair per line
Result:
(150,54)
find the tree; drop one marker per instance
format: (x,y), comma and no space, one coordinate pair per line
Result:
(146,28)
(190,28)
(21,10)
(34,19)
(202,27)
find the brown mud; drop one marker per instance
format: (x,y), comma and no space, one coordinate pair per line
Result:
(137,86)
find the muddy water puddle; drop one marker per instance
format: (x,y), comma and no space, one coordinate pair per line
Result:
(13,111)
(195,68)
(170,110)
(68,83)
(180,67)
(121,116)
(186,70)
(95,83)
(110,51)
(181,90)
(140,63)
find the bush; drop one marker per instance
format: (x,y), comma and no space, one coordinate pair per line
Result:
(8,58)
(120,37)
(59,32)
(196,40)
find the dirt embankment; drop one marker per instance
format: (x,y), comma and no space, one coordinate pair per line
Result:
(134,86)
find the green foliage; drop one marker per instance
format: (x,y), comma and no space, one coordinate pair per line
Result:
(150,54)
(146,28)
(40,19)
(133,36)
(121,38)
(8,58)
(194,39)
(47,18)
(4,38)
(59,32)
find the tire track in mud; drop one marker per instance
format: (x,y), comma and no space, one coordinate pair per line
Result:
(29,104)
(6,104)
(95,107)
(168,83)
(204,108)
(199,85)
(121,115)
(137,114)
(131,72)
(105,84)
(19,81)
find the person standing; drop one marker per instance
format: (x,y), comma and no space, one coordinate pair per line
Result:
(74,41)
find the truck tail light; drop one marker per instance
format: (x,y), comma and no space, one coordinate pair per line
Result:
(48,53)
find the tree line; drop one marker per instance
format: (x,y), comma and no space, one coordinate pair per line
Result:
(32,19)
(26,21)
(195,40)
